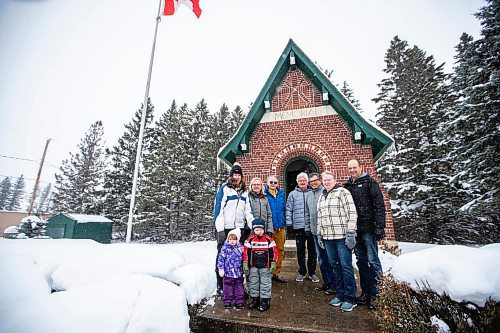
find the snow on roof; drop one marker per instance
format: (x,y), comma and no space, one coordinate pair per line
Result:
(82,218)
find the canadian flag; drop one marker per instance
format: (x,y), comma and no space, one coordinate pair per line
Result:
(172,5)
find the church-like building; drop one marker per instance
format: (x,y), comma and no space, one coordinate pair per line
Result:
(301,122)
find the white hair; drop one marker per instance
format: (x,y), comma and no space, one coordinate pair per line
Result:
(302,175)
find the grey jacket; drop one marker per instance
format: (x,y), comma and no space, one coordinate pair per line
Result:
(296,208)
(312,210)
(261,208)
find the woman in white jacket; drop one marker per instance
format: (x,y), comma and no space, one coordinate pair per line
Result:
(232,210)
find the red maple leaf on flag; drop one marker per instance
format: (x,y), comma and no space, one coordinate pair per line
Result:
(172,5)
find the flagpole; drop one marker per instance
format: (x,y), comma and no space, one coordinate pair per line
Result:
(141,132)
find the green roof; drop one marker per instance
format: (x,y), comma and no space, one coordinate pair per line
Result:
(372,135)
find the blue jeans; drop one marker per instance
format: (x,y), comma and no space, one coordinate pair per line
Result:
(324,266)
(368,262)
(340,258)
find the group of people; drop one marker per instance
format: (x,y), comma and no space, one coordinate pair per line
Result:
(327,219)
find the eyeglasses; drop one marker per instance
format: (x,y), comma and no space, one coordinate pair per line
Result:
(315,180)
(273,182)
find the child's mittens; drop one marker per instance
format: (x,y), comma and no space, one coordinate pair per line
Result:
(272,268)
(246,269)
(221,272)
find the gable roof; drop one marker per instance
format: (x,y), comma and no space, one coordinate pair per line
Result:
(371,134)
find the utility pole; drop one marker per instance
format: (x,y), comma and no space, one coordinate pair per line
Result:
(33,197)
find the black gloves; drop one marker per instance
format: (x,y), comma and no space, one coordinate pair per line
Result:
(270,234)
(289,230)
(308,233)
(379,234)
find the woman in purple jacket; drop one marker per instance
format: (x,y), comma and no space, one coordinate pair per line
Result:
(230,268)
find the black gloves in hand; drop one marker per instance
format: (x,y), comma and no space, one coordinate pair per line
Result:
(308,233)
(289,230)
(379,234)
(270,234)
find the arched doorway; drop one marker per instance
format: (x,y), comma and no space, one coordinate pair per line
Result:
(294,167)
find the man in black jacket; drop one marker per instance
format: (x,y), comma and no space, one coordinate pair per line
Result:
(370,207)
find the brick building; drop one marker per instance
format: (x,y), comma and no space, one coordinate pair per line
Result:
(301,122)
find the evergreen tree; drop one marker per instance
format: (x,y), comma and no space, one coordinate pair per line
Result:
(159,199)
(349,94)
(476,116)
(17,195)
(413,103)
(118,179)
(32,226)
(4,193)
(220,131)
(43,202)
(197,205)
(80,179)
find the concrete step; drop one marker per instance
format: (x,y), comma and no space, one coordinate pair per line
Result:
(295,307)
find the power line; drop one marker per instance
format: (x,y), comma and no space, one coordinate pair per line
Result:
(23,131)
(26,159)
(19,158)
(41,181)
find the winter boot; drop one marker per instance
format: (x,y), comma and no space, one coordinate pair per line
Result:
(255,303)
(265,304)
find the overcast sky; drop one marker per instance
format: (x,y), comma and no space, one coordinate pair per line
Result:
(65,64)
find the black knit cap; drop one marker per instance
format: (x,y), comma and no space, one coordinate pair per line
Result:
(236,169)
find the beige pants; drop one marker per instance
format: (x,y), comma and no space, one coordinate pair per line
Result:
(279,238)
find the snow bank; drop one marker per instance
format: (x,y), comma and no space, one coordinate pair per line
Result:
(101,288)
(464,273)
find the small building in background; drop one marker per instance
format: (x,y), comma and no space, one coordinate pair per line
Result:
(79,226)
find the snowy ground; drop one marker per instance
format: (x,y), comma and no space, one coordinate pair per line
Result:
(127,288)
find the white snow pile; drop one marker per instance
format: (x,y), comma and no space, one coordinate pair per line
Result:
(101,287)
(464,273)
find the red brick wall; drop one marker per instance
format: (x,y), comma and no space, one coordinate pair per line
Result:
(326,140)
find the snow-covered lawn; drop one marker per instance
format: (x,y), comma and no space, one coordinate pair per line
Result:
(127,288)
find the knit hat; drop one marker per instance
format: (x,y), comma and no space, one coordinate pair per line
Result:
(236,169)
(236,232)
(259,223)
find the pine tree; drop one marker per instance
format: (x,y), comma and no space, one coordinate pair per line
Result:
(118,180)
(349,94)
(220,131)
(43,202)
(159,195)
(196,208)
(4,192)
(475,122)
(413,102)
(17,194)
(80,179)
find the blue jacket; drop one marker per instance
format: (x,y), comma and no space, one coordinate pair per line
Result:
(277,207)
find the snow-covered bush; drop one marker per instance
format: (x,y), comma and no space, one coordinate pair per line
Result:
(32,226)
(403,309)
(10,232)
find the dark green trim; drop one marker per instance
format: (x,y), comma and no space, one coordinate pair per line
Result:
(378,140)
